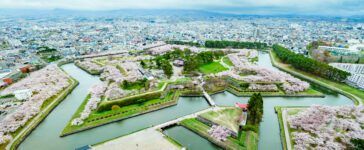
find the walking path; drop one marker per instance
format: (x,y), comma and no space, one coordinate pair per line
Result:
(185,117)
(205,94)
(285,126)
(209,99)
(224,64)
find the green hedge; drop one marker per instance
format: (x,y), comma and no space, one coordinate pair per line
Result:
(235,44)
(105,106)
(250,128)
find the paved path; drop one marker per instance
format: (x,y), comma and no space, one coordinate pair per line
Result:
(36,120)
(185,117)
(286,132)
(224,64)
(209,99)
(205,94)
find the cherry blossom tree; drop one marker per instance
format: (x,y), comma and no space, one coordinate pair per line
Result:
(219,132)
(44,84)
(327,127)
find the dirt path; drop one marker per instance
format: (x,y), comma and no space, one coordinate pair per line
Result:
(286,132)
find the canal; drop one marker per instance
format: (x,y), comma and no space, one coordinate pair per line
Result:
(46,135)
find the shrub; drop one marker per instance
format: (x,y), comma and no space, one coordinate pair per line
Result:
(115,107)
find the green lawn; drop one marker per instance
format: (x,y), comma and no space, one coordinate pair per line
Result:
(228,117)
(213,67)
(355,94)
(251,140)
(227,61)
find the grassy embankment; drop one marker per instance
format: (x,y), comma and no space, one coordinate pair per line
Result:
(246,139)
(355,94)
(99,118)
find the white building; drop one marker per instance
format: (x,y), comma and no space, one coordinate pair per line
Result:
(357,79)
(23,94)
(352,68)
(357,73)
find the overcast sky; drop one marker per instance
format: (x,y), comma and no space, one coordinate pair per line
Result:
(332,7)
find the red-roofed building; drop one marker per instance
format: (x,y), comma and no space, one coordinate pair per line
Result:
(25,69)
(244,107)
(8,80)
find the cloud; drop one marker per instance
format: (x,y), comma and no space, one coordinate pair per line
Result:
(243,6)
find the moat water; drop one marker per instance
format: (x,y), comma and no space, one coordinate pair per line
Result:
(46,135)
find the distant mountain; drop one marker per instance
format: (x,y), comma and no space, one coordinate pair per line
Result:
(169,13)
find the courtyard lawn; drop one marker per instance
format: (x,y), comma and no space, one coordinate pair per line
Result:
(213,67)
(355,94)
(228,117)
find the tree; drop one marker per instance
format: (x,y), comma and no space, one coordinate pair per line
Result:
(255,109)
(358,144)
(142,63)
(125,84)
(235,44)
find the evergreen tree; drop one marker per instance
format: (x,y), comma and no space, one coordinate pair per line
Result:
(358,144)
(255,109)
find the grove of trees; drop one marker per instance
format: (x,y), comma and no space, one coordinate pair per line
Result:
(184,43)
(235,44)
(165,65)
(309,65)
(192,62)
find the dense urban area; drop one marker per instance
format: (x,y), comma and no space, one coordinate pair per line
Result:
(181,80)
